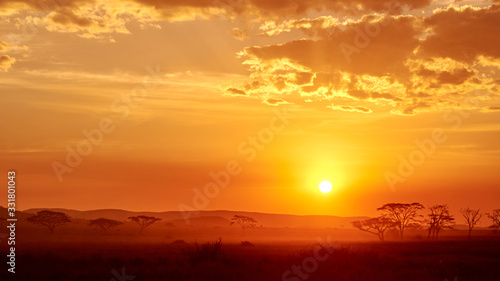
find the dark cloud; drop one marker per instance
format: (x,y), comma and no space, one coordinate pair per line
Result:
(463,34)
(456,78)
(67,17)
(286,8)
(378,55)
(253,86)
(491,109)
(235,92)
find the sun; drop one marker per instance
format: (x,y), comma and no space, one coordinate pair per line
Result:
(325,186)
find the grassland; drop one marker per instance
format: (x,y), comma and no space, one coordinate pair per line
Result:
(421,260)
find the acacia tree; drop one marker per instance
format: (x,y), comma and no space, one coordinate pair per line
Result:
(244,222)
(376,226)
(50,219)
(472,217)
(103,224)
(438,218)
(402,214)
(495,217)
(144,221)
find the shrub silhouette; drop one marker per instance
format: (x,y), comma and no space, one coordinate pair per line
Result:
(210,251)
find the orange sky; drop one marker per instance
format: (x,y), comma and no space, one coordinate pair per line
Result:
(292,92)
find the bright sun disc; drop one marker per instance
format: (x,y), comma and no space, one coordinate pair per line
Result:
(325,186)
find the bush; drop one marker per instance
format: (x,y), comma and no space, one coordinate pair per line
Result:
(246,244)
(210,251)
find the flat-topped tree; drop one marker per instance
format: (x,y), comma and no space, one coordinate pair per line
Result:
(244,222)
(376,226)
(103,224)
(50,219)
(471,217)
(144,221)
(438,218)
(404,215)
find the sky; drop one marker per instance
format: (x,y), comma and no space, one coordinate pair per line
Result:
(150,105)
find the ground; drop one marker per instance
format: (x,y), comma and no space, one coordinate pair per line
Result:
(143,260)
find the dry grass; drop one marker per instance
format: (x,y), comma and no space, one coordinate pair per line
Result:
(417,261)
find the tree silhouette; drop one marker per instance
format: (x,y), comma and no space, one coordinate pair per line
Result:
(103,224)
(376,226)
(50,219)
(2,221)
(472,217)
(144,221)
(402,214)
(495,217)
(244,222)
(438,218)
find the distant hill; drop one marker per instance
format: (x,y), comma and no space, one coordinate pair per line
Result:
(215,218)
(20,215)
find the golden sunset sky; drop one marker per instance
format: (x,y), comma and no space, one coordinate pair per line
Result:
(132,104)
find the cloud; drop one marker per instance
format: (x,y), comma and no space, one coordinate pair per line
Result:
(401,61)
(234,92)
(6,62)
(85,18)
(412,108)
(348,108)
(4,46)
(265,9)
(8,7)
(100,16)
(311,27)
(370,51)
(490,109)
(275,102)
(253,86)
(463,33)
(320,67)
(68,17)
(383,53)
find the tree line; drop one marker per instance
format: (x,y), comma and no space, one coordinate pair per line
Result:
(51,220)
(401,216)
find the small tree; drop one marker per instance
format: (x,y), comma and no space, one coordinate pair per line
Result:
(403,215)
(244,222)
(103,224)
(50,219)
(376,226)
(472,217)
(144,221)
(495,217)
(438,218)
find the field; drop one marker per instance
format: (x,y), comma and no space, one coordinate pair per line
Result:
(219,252)
(142,260)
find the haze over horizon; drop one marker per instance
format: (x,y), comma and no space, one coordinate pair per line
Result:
(251,104)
